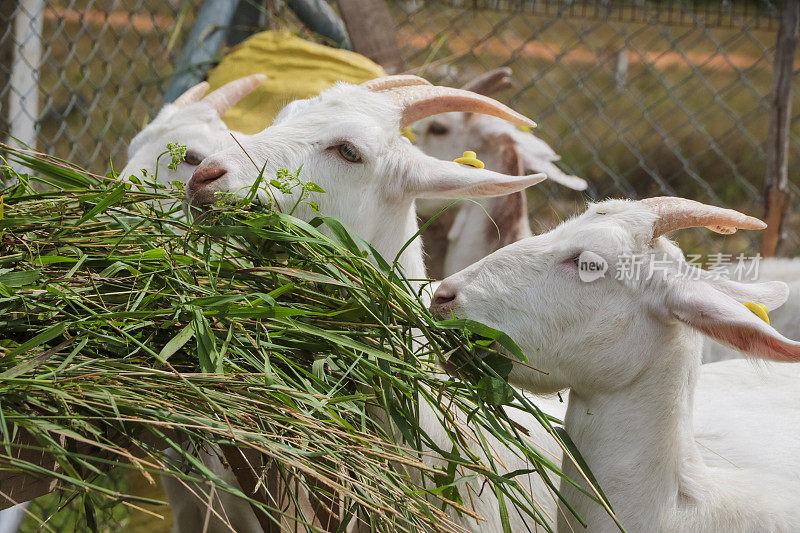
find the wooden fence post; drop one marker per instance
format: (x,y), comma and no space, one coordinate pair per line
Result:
(776,194)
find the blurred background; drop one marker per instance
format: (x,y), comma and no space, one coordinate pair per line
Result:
(641,98)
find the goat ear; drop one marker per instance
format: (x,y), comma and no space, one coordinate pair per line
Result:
(721,317)
(491,82)
(432,178)
(773,294)
(536,155)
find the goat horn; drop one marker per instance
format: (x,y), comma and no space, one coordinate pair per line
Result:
(418,102)
(490,82)
(679,213)
(390,82)
(191,95)
(226,96)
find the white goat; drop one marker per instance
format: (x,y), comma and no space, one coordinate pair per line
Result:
(192,120)
(629,349)
(348,141)
(475,231)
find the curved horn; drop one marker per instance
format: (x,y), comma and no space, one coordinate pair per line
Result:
(191,95)
(679,213)
(421,101)
(226,96)
(390,82)
(490,82)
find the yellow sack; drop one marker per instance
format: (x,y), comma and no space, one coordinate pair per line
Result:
(296,69)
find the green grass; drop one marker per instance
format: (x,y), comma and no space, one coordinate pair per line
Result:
(248,328)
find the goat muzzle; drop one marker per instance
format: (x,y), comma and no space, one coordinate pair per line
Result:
(199,190)
(443,301)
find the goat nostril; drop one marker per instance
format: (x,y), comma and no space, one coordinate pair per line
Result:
(208,174)
(441,298)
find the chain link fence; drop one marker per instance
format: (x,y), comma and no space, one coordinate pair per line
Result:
(101,66)
(640,98)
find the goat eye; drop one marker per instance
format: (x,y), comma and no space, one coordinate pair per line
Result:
(349,152)
(193,158)
(437,128)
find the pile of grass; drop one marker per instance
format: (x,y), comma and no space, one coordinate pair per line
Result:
(128,328)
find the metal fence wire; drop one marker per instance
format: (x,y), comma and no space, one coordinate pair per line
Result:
(101,68)
(639,97)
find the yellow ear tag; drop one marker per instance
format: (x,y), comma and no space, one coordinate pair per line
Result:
(526,129)
(760,310)
(408,133)
(470,159)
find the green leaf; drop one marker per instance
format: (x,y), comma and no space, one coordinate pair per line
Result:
(495,391)
(54,259)
(573,450)
(110,199)
(20,278)
(32,362)
(342,234)
(308,276)
(485,331)
(176,342)
(310,186)
(210,361)
(111,270)
(500,364)
(47,335)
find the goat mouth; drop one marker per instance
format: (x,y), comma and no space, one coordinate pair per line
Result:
(195,212)
(199,196)
(443,311)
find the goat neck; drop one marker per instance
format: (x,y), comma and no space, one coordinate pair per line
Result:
(638,441)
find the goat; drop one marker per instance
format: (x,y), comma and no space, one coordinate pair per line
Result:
(192,120)
(474,230)
(628,344)
(195,122)
(348,141)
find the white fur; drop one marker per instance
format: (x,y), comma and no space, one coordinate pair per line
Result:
(630,352)
(785,319)
(196,126)
(499,145)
